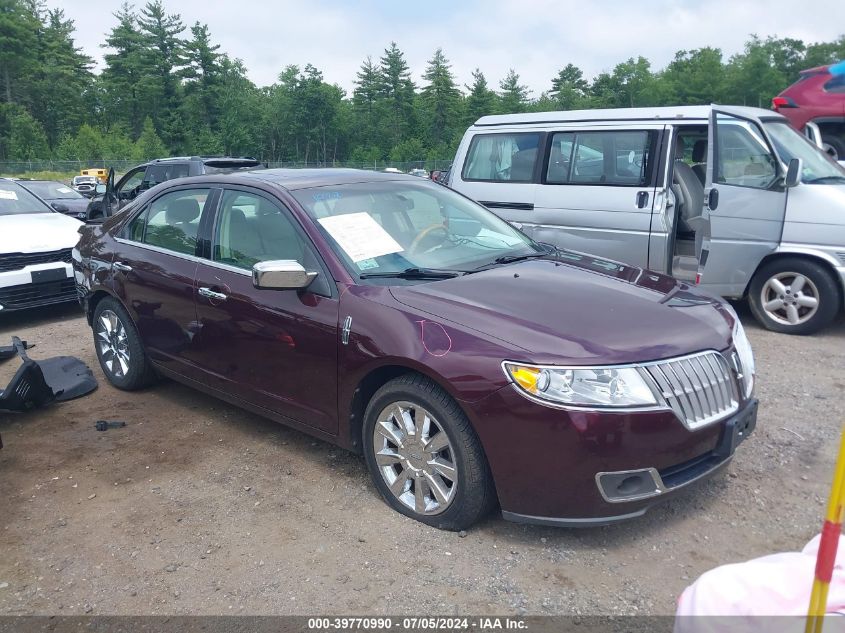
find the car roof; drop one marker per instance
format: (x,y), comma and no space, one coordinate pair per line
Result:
(293,179)
(621,114)
(204,159)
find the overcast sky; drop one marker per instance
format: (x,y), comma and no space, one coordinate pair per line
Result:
(535,37)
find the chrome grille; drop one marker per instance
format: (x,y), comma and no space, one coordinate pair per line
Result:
(699,388)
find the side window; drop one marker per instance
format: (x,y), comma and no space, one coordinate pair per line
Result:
(502,157)
(171,221)
(162,172)
(837,84)
(599,158)
(251,229)
(743,157)
(130,187)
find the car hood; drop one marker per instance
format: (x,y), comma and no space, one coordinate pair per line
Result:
(583,311)
(37,232)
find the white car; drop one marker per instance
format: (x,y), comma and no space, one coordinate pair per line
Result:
(35,250)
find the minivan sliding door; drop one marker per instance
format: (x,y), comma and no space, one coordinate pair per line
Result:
(597,191)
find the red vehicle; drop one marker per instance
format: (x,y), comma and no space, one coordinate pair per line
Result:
(818,97)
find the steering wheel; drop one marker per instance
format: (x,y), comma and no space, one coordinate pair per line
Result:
(415,245)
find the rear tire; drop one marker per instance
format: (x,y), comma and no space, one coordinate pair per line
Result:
(432,468)
(794,296)
(119,349)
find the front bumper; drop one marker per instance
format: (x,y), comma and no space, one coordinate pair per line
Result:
(550,468)
(37,285)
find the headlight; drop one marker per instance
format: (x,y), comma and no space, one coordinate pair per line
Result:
(746,356)
(582,386)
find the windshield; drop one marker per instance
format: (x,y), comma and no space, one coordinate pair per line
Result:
(52,190)
(818,167)
(15,200)
(379,228)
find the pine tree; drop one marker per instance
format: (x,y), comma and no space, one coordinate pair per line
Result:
(441,100)
(367,103)
(149,144)
(125,69)
(569,88)
(19,28)
(480,101)
(513,95)
(397,89)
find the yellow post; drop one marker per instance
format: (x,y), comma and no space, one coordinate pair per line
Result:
(826,557)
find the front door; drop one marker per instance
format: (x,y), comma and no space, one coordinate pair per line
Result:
(276,349)
(598,191)
(744,203)
(154,267)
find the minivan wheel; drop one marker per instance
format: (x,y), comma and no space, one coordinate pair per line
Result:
(835,147)
(119,350)
(424,456)
(794,296)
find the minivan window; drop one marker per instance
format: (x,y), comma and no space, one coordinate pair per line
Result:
(171,221)
(744,158)
(600,158)
(502,157)
(818,167)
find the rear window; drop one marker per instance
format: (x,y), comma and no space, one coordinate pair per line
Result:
(502,157)
(837,84)
(601,158)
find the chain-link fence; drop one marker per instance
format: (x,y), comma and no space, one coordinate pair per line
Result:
(24,167)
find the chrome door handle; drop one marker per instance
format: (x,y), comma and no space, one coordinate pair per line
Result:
(208,293)
(124,268)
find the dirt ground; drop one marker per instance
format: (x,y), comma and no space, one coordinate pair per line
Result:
(196,507)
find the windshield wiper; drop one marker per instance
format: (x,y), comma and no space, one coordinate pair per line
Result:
(509,259)
(414,273)
(825,179)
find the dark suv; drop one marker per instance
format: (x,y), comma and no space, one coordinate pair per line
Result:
(818,97)
(160,170)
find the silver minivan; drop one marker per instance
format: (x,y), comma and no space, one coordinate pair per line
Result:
(732,198)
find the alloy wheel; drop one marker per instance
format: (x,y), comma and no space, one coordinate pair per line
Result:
(415,458)
(113,344)
(790,298)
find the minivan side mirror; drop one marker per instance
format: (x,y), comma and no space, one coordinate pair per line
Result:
(793,172)
(281,274)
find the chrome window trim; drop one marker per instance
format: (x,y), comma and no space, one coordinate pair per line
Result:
(190,258)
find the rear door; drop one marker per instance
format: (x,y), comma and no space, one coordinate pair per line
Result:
(744,203)
(154,265)
(598,190)
(501,170)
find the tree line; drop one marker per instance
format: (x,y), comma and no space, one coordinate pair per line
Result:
(168,89)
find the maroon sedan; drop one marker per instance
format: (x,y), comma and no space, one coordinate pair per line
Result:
(392,316)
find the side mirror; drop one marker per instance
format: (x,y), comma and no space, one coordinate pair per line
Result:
(281,274)
(58,206)
(793,172)
(100,189)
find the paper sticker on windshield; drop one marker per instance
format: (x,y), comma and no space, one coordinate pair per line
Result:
(64,190)
(367,264)
(8,195)
(360,236)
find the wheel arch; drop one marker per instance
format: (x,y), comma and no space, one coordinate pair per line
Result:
(93,301)
(371,382)
(823,259)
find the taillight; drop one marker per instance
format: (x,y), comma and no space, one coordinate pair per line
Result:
(783,102)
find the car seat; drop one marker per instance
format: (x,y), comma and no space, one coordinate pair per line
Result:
(699,157)
(689,191)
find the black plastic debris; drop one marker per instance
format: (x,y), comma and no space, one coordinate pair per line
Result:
(39,383)
(105,425)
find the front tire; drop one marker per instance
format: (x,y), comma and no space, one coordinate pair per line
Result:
(423,455)
(794,296)
(834,146)
(119,349)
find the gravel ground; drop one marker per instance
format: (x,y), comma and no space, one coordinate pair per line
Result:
(199,508)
